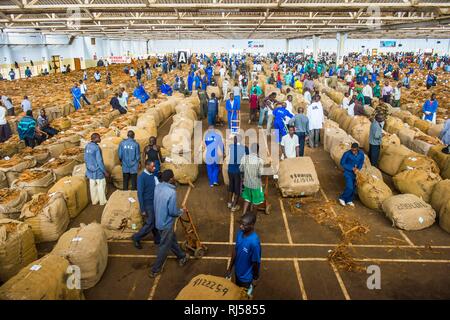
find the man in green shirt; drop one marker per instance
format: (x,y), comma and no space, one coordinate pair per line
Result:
(377,90)
(257,88)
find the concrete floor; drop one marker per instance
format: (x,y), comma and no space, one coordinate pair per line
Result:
(294,249)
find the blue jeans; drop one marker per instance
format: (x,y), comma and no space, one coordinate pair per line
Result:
(168,242)
(148,227)
(374,154)
(301,141)
(262,116)
(211,118)
(349,191)
(213,173)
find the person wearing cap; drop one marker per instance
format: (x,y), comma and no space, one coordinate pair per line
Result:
(375,138)
(129,156)
(352,161)
(360,96)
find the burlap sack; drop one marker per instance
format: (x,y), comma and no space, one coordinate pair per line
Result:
(407,136)
(12,201)
(336,113)
(61,124)
(416,181)
(17,247)
(345,123)
(35,181)
(121,217)
(392,157)
(361,133)
(75,190)
(372,191)
(70,140)
(61,167)
(15,165)
(444,216)
(327,104)
(3,180)
(185,114)
(422,125)
(141,136)
(76,154)
(87,248)
(79,170)
(338,150)
(148,123)
(419,162)
(208,287)
(410,120)
(47,215)
(298,177)
(435,130)
(117,178)
(371,170)
(333,136)
(393,125)
(55,148)
(156,114)
(442,160)
(179,141)
(110,152)
(41,155)
(184,169)
(357,120)
(44,279)
(408,212)
(166,107)
(215,90)
(440,194)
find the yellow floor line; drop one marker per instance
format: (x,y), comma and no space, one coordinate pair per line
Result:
(231,236)
(341,282)
(300,280)
(286,225)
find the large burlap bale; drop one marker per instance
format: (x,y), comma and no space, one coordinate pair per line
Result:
(75,153)
(392,157)
(40,154)
(55,148)
(166,107)
(372,191)
(184,169)
(47,215)
(79,170)
(208,287)
(410,120)
(185,114)
(357,120)
(444,216)
(361,134)
(141,136)
(44,279)
(17,248)
(440,194)
(338,150)
(435,130)
(346,121)
(372,171)
(407,136)
(333,136)
(298,177)
(75,190)
(12,201)
(87,248)
(336,113)
(16,165)
(3,180)
(148,123)
(157,114)
(61,167)
(419,162)
(423,143)
(416,181)
(422,125)
(61,124)
(215,90)
(35,181)
(178,141)
(110,152)
(117,178)
(442,160)
(409,212)
(121,217)
(393,125)
(70,140)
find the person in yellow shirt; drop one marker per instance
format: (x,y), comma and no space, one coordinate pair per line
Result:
(298,85)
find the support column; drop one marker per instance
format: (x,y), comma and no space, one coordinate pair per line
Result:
(341,38)
(287,45)
(315,47)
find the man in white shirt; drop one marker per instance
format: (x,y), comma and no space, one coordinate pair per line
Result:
(132,72)
(124,94)
(367,93)
(348,78)
(290,146)
(7,103)
(26,104)
(289,107)
(222,72)
(307,95)
(346,105)
(83,89)
(122,101)
(316,118)
(97,76)
(397,95)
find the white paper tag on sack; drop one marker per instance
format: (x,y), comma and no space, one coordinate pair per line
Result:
(133,226)
(51,160)
(77,239)
(7,158)
(35,267)
(131,200)
(62,132)
(67,181)
(169,160)
(52,194)
(413,159)
(421,220)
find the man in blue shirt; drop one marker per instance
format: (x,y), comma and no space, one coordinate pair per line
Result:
(212,109)
(95,170)
(235,154)
(146,185)
(246,257)
(166,211)
(29,132)
(214,149)
(129,156)
(352,161)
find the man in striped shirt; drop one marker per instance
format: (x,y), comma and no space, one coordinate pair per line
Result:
(252,167)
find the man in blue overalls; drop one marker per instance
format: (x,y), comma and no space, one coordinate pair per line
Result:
(213,109)
(95,170)
(129,155)
(146,184)
(214,152)
(352,161)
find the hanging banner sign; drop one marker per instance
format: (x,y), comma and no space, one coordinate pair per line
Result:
(119,59)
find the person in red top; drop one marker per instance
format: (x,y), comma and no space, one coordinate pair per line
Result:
(253,106)
(278,76)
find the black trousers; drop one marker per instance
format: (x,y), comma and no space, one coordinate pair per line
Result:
(126,179)
(374,154)
(50,131)
(36,140)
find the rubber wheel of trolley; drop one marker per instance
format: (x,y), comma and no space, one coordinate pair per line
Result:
(199,253)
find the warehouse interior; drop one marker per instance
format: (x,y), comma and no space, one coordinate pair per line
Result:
(165,69)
